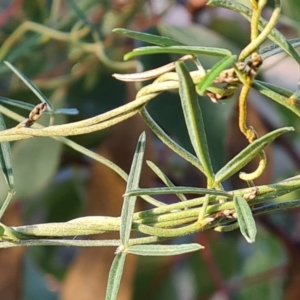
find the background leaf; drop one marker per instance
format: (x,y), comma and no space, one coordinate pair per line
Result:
(148,38)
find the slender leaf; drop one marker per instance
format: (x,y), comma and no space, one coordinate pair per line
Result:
(114,277)
(195,50)
(148,38)
(176,190)
(163,250)
(6,203)
(193,118)
(270,208)
(246,155)
(170,142)
(132,183)
(5,159)
(33,88)
(275,34)
(245,219)
(164,178)
(278,89)
(29,106)
(274,49)
(66,111)
(278,94)
(17,103)
(214,72)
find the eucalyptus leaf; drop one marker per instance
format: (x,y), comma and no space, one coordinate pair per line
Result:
(5,159)
(247,154)
(114,277)
(193,118)
(214,72)
(245,218)
(194,50)
(148,38)
(163,250)
(33,88)
(132,183)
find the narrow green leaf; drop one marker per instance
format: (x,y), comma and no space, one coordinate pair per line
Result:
(271,208)
(114,277)
(164,178)
(33,88)
(245,219)
(278,94)
(195,50)
(227,228)
(275,34)
(6,203)
(214,72)
(193,118)
(79,12)
(168,141)
(148,38)
(132,183)
(5,159)
(17,103)
(29,106)
(275,88)
(274,49)
(1,231)
(163,250)
(246,155)
(176,190)
(66,111)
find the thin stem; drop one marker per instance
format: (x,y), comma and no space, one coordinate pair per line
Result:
(31,26)
(186,230)
(257,7)
(264,34)
(61,242)
(84,151)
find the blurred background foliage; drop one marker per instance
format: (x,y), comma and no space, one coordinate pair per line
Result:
(55,183)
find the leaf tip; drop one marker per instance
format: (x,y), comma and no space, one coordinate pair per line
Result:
(117,30)
(7,63)
(250,240)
